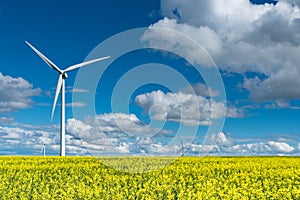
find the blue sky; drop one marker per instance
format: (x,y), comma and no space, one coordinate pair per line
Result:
(254,51)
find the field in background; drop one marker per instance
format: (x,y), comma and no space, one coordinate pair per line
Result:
(186,178)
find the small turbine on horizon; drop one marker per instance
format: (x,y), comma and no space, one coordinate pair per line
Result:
(61,87)
(183,149)
(44,149)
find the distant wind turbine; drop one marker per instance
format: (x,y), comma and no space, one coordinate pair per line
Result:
(44,149)
(183,149)
(61,86)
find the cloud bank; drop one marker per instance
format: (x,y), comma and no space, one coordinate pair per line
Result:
(82,138)
(240,37)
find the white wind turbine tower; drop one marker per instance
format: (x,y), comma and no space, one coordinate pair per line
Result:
(44,149)
(61,86)
(183,149)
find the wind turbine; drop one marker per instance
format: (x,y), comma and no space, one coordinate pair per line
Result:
(61,86)
(44,149)
(183,149)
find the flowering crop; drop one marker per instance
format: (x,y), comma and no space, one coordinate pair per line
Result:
(186,178)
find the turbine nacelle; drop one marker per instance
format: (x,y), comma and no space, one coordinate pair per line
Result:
(64,75)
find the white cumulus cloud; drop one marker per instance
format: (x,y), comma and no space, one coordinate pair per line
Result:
(219,143)
(182,107)
(240,37)
(15,93)
(281,147)
(112,133)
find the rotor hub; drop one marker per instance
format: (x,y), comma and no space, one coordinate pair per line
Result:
(65,75)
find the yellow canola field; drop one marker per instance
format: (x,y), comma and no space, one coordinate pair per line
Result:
(185,178)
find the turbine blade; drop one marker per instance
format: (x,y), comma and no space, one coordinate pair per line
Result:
(85,63)
(58,87)
(51,64)
(181,143)
(189,148)
(181,150)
